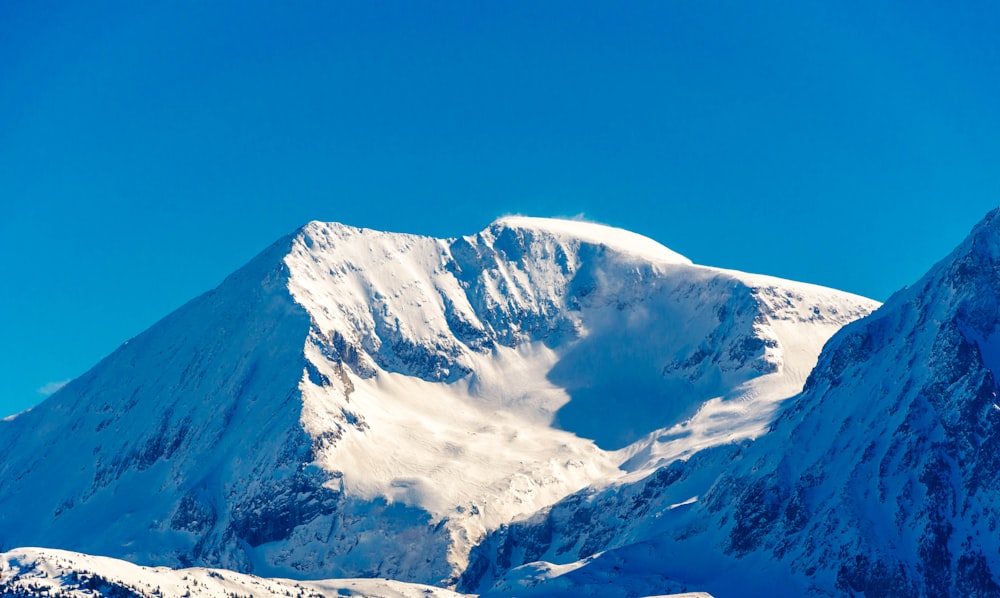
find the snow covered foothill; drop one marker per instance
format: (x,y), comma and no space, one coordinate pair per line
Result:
(63,574)
(37,572)
(358,403)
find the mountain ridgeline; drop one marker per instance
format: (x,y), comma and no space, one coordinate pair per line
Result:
(547,407)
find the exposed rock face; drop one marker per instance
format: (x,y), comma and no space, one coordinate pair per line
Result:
(894,447)
(356,403)
(881,479)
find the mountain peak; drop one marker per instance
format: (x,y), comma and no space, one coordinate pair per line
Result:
(964,286)
(983,243)
(981,246)
(583,231)
(563,229)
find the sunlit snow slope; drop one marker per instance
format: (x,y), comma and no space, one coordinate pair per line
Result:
(358,403)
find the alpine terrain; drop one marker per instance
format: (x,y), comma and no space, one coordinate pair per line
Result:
(546,404)
(882,478)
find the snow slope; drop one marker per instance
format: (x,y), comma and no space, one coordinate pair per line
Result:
(881,479)
(358,403)
(30,572)
(63,574)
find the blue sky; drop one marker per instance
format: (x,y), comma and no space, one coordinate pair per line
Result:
(149,149)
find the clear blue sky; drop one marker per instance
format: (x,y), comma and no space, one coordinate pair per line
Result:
(148,149)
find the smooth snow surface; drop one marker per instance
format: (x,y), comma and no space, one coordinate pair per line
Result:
(598,234)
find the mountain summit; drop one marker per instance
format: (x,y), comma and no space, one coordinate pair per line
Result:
(360,403)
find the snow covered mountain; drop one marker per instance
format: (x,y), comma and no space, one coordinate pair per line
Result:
(362,404)
(881,479)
